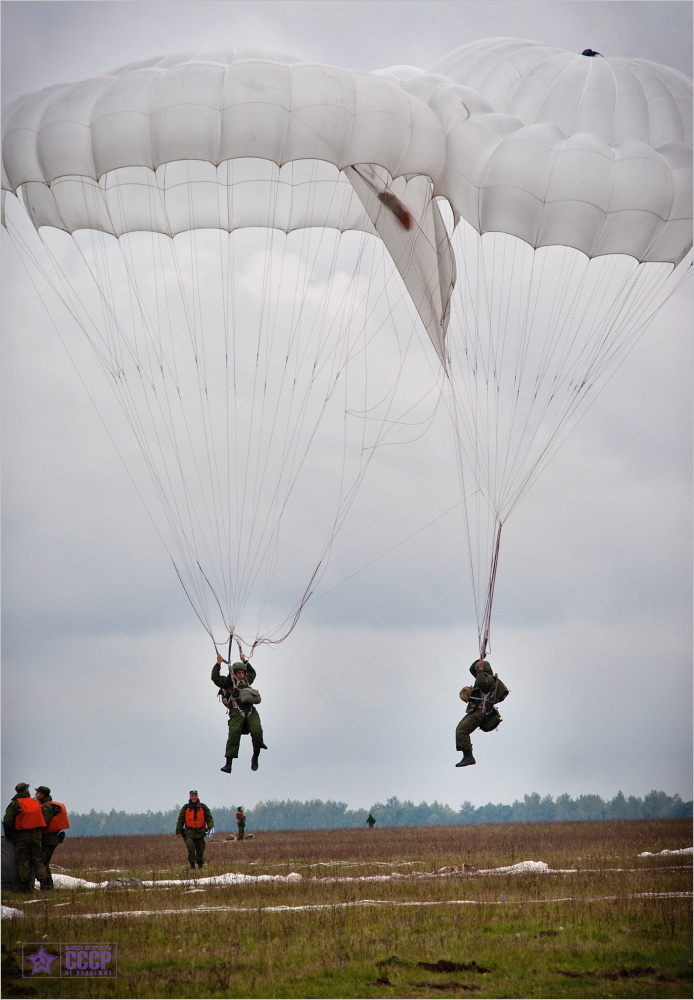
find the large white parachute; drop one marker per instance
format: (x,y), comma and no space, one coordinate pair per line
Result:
(572,178)
(234,232)
(254,233)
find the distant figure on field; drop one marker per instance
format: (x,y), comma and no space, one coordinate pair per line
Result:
(53,833)
(487,692)
(240,699)
(240,822)
(371,821)
(194,820)
(22,822)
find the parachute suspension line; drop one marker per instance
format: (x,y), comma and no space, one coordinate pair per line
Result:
(534,337)
(386,553)
(487,617)
(116,339)
(65,297)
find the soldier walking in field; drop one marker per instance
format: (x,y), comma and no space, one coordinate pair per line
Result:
(53,833)
(194,820)
(22,823)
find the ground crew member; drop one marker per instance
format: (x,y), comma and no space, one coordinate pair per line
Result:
(22,822)
(240,822)
(55,815)
(371,821)
(475,713)
(243,718)
(194,820)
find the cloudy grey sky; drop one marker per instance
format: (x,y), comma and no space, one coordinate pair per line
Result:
(106,691)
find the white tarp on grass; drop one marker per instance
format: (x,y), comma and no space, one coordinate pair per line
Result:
(683,850)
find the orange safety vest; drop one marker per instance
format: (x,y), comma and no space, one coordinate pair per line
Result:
(59,821)
(30,815)
(194,822)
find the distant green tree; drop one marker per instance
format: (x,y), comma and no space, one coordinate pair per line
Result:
(318,815)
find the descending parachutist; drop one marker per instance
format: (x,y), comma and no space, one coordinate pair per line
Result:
(481,713)
(240,699)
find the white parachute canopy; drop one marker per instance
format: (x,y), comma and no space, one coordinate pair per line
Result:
(570,180)
(236,233)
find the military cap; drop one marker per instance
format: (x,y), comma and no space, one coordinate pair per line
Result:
(193,791)
(21,786)
(43,789)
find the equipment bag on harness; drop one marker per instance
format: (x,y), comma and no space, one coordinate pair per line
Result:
(488,701)
(235,696)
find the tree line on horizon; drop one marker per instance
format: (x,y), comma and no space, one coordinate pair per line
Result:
(318,815)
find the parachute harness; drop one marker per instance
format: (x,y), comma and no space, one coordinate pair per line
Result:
(229,696)
(487,702)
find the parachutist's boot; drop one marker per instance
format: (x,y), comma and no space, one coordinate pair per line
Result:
(227,766)
(26,886)
(45,885)
(192,864)
(254,761)
(467,759)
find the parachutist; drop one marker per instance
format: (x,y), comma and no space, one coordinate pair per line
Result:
(487,692)
(240,699)
(590,52)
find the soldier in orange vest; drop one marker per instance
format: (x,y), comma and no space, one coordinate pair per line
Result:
(22,822)
(193,819)
(55,815)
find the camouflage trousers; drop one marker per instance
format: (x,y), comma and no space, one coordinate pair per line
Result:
(29,854)
(240,724)
(468,724)
(241,828)
(195,845)
(47,850)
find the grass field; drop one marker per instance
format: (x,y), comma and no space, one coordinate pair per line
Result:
(373,915)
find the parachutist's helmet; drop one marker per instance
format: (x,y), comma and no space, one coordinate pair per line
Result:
(239,665)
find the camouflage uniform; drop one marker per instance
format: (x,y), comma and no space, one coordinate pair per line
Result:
(195,839)
(474,715)
(27,844)
(242,718)
(49,841)
(240,822)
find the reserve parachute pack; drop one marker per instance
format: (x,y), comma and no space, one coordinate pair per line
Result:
(234,696)
(488,701)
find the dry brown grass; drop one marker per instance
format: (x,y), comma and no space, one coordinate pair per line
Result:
(612,925)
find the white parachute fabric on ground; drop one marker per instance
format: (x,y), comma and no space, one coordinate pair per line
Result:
(199,226)
(570,183)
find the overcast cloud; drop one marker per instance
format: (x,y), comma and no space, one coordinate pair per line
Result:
(106,690)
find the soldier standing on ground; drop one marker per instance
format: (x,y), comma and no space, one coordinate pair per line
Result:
(240,822)
(371,821)
(194,820)
(53,833)
(22,822)
(243,715)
